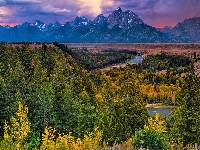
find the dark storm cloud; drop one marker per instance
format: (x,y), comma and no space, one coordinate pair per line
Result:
(195,2)
(48,11)
(144,8)
(138,4)
(18,2)
(159,12)
(154,12)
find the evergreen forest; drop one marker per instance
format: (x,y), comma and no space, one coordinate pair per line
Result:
(53,97)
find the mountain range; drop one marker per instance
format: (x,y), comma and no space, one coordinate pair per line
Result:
(119,26)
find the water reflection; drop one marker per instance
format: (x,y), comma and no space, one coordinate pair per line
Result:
(136,60)
(162,111)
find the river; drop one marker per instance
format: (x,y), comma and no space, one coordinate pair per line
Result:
(135,60)
(162,111)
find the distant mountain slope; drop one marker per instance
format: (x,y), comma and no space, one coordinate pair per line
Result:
(119,26)
(187,31)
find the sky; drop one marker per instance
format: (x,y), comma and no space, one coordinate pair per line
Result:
(157,13)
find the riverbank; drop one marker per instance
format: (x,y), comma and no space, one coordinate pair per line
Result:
(159,105)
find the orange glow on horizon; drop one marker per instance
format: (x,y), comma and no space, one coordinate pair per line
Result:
(9,24)
(159,26)
(162,25)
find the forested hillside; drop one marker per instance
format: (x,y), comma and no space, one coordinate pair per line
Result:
(58,98)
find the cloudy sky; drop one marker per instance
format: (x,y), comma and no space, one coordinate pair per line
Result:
(157,13)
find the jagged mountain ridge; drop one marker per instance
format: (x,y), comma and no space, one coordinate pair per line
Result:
(119,26)
(186,31)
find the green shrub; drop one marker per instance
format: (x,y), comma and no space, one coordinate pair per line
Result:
(153,136)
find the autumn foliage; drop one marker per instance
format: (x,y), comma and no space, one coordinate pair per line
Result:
(49,99)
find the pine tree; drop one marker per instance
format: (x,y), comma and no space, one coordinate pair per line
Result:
(184,123)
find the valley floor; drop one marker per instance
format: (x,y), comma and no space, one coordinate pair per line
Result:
(186,49)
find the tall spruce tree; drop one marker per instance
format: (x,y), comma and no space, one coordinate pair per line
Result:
(184,123)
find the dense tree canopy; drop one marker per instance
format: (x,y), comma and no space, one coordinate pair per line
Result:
(65,89)
(60,93)
(184,123)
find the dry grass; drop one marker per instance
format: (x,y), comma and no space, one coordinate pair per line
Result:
(197,67)
(183,49)
(148,49)
(33,45)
